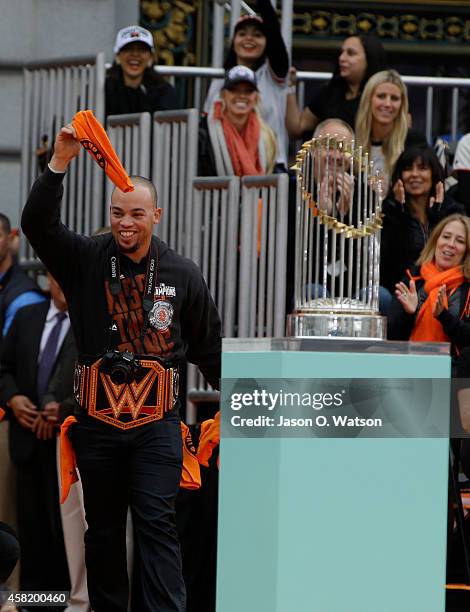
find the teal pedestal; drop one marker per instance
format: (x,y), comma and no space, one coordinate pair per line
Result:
(332,524)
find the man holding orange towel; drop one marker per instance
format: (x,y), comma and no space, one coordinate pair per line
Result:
(137,310)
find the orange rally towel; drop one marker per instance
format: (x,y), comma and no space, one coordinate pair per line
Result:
(68,469)
(94,139)
(191,474)
(209,439)
(2,413)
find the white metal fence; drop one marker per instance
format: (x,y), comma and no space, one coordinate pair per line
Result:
(53,93)
(263,256)
(216,205)
(201,76)
(240,242)
(175,142)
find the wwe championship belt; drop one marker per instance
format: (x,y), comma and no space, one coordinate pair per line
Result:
(127,405)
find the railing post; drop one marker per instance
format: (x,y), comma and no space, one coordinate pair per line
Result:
(218,35)
(429,101)
(235,11)
(455,114)
(286,24)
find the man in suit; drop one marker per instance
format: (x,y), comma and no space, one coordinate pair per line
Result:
(17,290)
(39,339)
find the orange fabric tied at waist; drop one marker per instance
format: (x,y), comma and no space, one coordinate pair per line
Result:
(209,439)
(2,413)
(191,474)
(94,139)
(68,466)
(127,405)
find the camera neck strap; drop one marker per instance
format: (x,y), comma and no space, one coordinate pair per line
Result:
(114,277)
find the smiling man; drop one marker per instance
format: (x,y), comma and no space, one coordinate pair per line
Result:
(138,310)
(133,216)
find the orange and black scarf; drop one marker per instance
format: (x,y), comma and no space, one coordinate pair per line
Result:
(427,328)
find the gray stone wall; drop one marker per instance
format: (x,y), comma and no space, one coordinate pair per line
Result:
(32,30)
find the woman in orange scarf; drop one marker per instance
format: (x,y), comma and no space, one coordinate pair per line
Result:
(234,139)
(433,304)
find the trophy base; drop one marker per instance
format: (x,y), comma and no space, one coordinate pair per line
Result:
(337,325)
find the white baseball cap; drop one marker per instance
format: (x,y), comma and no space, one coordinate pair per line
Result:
(131,34)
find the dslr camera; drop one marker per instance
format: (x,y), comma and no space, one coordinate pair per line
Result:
(122,367)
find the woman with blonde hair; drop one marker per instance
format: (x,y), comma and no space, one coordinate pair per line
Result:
(233,138)
(382,122)
(433,303)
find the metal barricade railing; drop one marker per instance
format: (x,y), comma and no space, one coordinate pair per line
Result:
(175,146)
(216,205)
(263,256)
(240,243)
(214,241)
(202,76)
(130,136)
(53,93)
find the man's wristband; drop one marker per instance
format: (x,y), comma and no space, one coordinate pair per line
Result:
(291,90)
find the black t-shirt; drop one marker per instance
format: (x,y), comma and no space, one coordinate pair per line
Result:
(156,95)
(331,102)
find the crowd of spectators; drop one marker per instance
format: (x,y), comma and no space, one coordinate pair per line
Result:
(245,129)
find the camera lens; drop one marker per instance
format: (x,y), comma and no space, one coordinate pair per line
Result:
(121,373)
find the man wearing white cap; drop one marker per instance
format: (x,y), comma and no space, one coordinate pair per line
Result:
(132,85)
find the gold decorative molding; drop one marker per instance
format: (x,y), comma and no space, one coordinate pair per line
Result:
(172,25)
(397,27)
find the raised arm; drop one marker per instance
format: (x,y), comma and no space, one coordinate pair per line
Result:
(55,244)
(66,148)
(275,46)
(297,121)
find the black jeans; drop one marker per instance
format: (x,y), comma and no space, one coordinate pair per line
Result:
(140,468)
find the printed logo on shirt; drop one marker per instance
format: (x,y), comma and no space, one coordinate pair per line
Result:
(93,149)
(165,290)
(127,315)
(161,315)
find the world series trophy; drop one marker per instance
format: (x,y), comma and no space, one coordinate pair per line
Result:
(337,248)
